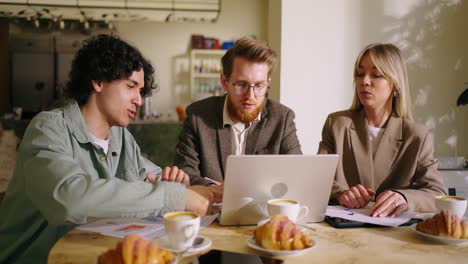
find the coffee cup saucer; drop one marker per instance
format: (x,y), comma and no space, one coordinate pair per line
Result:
(200,243)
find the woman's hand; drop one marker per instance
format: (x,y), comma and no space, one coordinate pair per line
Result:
(389,203)
(356,197)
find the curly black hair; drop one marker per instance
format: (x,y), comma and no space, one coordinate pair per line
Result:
(106,58)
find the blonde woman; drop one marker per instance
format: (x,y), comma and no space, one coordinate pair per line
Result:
(383,153)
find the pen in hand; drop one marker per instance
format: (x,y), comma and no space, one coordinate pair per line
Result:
(212,181)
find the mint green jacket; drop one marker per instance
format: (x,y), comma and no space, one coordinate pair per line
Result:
(62,179)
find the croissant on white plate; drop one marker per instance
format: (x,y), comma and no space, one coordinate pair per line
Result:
(136,250)
(444,224)
(280,233)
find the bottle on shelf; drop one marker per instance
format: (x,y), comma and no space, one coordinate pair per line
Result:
(204,73)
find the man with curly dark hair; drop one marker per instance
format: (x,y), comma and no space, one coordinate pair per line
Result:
(79,163)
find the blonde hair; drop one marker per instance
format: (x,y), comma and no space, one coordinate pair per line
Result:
(387,59)
(251,50)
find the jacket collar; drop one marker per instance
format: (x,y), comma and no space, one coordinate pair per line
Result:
(388,148)
(362,148)
(256,130)
(373,170)
(75,121)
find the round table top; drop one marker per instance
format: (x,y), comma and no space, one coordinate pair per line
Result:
(355,245)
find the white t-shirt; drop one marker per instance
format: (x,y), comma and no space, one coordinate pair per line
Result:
(375,134)
(103,143)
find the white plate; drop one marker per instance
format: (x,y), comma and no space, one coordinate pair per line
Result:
(252,244)
(176,260)
(204,244)
(439,239)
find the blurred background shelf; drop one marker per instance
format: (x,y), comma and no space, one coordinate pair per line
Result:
(206,75)
(205,70)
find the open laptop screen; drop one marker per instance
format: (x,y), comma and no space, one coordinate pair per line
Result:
(251,180)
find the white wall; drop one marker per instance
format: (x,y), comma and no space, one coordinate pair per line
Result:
(167,45)
(274,40)
(320,41)
(318,46)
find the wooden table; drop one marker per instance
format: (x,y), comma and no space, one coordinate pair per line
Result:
(360,245)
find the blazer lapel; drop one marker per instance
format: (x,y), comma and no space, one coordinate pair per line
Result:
(255,132)
(224,143)
(224,137)
(387,149)
(362,150)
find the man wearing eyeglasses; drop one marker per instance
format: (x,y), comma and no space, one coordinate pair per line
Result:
(244,121)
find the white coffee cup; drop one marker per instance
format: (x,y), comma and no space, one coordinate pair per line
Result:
(181,229)
(292,209)
(457,205)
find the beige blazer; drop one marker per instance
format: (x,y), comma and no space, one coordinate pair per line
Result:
(403,161)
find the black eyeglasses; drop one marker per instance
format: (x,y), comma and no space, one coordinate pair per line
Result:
(241,88)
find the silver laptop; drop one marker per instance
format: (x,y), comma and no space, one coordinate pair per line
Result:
(251,180)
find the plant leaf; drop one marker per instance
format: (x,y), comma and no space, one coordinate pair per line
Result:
(463,98)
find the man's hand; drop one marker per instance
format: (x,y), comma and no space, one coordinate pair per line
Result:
(389,203)
(217,191)
(199,199)
(172,174)
(356,197)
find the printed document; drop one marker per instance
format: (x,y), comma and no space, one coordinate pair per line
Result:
(362,215)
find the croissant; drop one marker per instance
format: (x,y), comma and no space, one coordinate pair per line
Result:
(444,224)
(136,250)
(280,233)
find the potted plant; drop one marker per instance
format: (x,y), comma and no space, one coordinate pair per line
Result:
(463,100)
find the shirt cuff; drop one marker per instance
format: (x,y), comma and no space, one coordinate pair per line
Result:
(174,197)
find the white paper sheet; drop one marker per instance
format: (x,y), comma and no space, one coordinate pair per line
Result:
(149,228)
(362,215)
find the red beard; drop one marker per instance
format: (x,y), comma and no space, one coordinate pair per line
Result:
(243,115)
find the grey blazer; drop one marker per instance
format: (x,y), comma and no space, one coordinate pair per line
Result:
(403,161)
(204,144)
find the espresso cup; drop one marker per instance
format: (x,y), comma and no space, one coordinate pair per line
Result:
(181,229)
(292,209)
(457,205)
